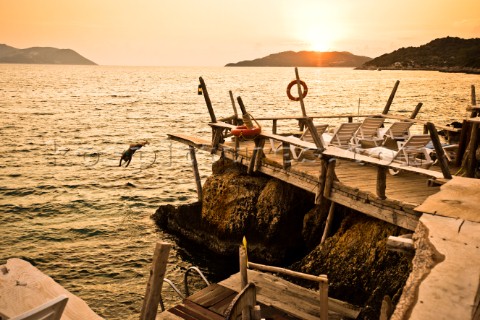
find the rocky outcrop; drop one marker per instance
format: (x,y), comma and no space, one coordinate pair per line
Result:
(284,227)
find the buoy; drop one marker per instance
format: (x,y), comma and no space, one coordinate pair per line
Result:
(289,88)
(244,132)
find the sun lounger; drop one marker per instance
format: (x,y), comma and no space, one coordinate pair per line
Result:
(342,136)
(368,131)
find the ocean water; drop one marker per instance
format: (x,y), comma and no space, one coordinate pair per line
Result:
(68,208)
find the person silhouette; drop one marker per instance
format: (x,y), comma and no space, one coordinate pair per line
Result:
(128,154)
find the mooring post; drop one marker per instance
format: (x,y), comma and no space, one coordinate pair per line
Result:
(196,173)
(473,100)
(235,121)
(204,92)
(243,267)
(414,113)
(155,282)
(381,182)
(390,99)
(442,159)
(328,223)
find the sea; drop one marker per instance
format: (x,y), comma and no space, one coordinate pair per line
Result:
(69,209)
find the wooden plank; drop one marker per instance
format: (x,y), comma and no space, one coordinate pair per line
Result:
(389,215)
(290,298)
(199,310)
(167,315)
(211,295)
(196,142)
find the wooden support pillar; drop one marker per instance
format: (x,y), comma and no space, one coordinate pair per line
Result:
(329,177)
(321,182)
(274,126)
(400,244)
(235,120)
(260,154)
(217,138)
(155,282)
(390,99)
(204,92)
(442,158)
(287,161)
(381,182)
(414,113)
(196,173)
(472,148)
(243,267)
(257,153)
(350,119)
(328,223)
(300,93)
(323,290)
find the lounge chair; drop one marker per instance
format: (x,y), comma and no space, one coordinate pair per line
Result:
(368,132)
(51,310)
(342,136)
(407,154)
(307,136)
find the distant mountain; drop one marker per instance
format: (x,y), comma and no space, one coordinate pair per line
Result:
(448,54)
(41,55)
(305,59)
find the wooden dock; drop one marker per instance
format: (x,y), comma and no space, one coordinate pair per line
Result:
(355,182)
(278,300)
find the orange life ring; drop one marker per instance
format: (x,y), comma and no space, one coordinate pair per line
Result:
(289,88)
(244,132)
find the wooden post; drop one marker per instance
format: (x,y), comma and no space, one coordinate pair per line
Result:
(473,100)
(243,267)
(442,159)
(321,182)
(198,181)
(207,100)
(350,119)
(328,223)
(287,162)
(472,148)
(329,178)
(255,155)
(155,282)
(300,93)
(235,121)
(260,154)
(462,144)
(217,138)
(416,110)
(274,126)
(381,182)
(390,99)
(323,289)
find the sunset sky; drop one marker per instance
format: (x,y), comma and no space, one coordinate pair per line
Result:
(216,32)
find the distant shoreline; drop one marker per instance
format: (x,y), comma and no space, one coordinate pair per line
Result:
(439,69)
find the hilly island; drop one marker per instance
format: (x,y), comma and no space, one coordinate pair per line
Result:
(41,55)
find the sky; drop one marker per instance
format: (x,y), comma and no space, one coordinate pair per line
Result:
(217,32)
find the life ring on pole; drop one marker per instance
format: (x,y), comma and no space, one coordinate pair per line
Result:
(244,132)
(289,88)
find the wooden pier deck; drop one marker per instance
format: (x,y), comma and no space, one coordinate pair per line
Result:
(356,182)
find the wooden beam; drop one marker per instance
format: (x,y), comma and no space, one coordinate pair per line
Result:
(155,282)
(287,161)
(442,158)
(328,223)
(235,120)
(473,101)
(472,148)
(390,99)
(260,155)
(300,275)
(323,291)
(321,182)
(329,177)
